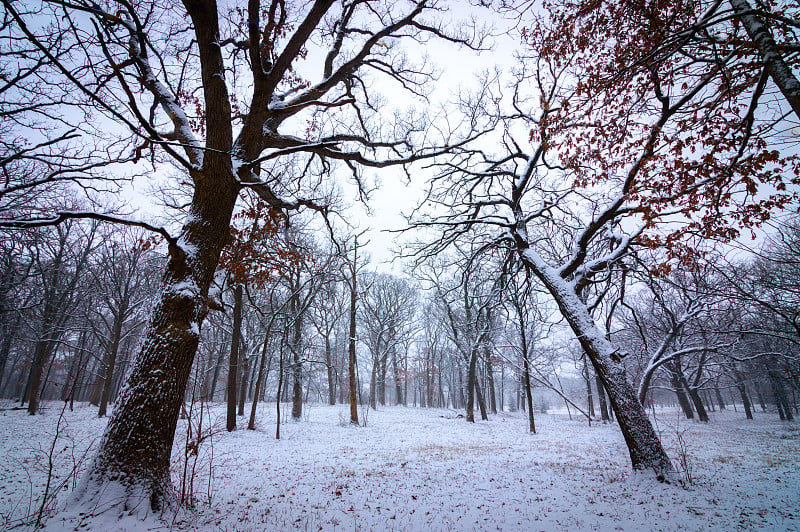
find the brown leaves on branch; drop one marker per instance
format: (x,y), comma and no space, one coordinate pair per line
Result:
(670,104)
(257,253)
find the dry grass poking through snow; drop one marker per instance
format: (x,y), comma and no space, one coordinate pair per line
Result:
(423,469)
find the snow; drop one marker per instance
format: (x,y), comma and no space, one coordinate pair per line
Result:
(426,469)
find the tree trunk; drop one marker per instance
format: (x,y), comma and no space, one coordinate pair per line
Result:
(601,399)
(373,385)
(720,399)
(472,380)
(297,362)
(481,401)
(382,367)
(490,375)
(351,344)
(781,401)
(780,72)
(644,445)
(526,380)
(251,425)
(41,354)
(136,447)
(111,360)
(587,380)
(748,410)
(398,382)
(702,415)
(243,388)
(331,371)
(233,363)
(680,390)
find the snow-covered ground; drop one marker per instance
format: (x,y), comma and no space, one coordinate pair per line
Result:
(425,469)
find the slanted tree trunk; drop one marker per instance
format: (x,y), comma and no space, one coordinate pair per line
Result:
(781,401)
(481,400)
(702,415)
(136,447)
(780,72)
(644,445)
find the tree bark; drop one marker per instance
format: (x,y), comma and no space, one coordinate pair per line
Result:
(644,445)
(490,379)
(601,399)
(136,447)
(111,359)
(297,337)
(331,371)
(472,380)
(678,385)
(233,363)
(780,72)
(261,377)
(588,381)
(351,344)
(243,387)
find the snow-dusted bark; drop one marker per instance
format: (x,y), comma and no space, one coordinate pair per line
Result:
(780,72)
(643,443)
(131,470)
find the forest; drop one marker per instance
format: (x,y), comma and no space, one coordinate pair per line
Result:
(599,237)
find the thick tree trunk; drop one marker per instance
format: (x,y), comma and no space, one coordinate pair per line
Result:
(481,400)
(781,401)
(702,415)
(398,382)
(644,445)
(373,385)
(748,409)
(136,447)
(382,368)
(41,354)
(720,399)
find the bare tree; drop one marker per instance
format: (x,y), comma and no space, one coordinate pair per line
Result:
(134,77)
